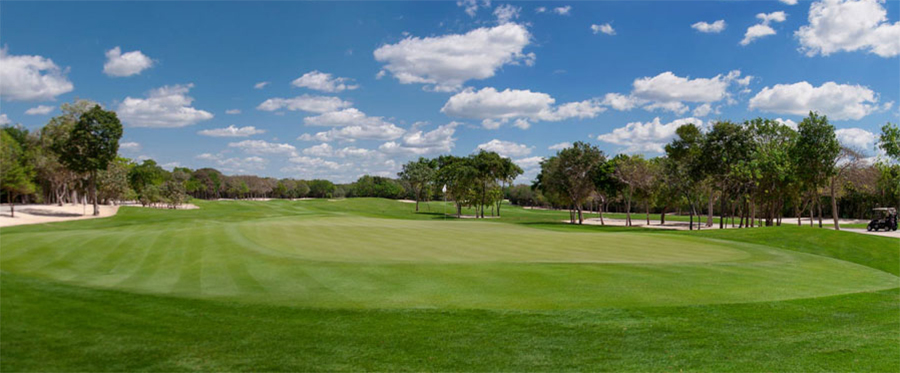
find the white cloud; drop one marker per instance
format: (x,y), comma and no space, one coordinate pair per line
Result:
(763,29)
(261,85)
(232,131)
(605,28)
(506,13)
(702,110)
(164,107)
(668,87)
(540,9)
(264,147)
(4,120)
(471,6)
(31,78)
(419,142)
(326,150)
(789,2)
(130,146)
(856,138)
(563,10)
(560,146)
(837,101)
(127,64)
(235,164)
(384,131)
(345,117)
(530,167)
(446,62)
(787,122)
(232,111)
(710,28)
(848,25)
(621,102)
(670,92)
(506,149)
(649,137)
(39,110)
(498,107)
(312,104)
(324,82)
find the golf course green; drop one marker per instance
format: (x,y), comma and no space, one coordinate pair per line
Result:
(367,284)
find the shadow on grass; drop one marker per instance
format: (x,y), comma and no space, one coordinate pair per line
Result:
(566,227)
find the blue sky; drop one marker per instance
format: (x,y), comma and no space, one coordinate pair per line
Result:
(361,87)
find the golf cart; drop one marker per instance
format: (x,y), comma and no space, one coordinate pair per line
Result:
(887,219)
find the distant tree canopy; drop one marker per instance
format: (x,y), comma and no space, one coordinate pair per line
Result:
(754,172)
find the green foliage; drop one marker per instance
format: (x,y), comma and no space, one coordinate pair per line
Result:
(815,150)
(15,174)
(377,186)
(93,141)
(889,141)
(321,188)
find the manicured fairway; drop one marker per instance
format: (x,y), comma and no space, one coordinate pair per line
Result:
(368,285)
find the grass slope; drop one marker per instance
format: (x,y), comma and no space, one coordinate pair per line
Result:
(367,285)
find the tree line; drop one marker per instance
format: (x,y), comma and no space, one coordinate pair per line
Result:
(756,172)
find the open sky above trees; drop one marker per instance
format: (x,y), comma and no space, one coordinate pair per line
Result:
(338,90)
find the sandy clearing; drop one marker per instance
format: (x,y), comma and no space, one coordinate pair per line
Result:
(680,225)
(406,201)
(39,214)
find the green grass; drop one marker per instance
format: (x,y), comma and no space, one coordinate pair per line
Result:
(365,284)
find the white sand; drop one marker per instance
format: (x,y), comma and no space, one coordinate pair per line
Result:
(406,201)
(38,214)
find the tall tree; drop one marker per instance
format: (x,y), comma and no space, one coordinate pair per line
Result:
(847,159)
(815,152)
(685,167)
(889,141)
(15,174)
(635,173)
(92,144)
(418,175)
(570,174)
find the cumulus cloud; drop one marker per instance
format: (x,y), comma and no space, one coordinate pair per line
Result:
(120,64)
(260,147)
(789,2)
(419,142)
(563,10)
(31,78)
(849,25)
(232,131)
(261,85)
(621,102)
(857,138)
(520,106)
(702,110)
(560,146)
(763,29)
(309,103)
(605,28)
(837,101)
(530,167)
(670,92)
(506,13)
(130,146)
(787,122)
(164,107)
(710,28)
(326,150)
(232,111)
(445,63)
(506,149)
(648,137)
(4,120)
(324,82)
(346,117)
(350,133)
(235,164)
(39,110)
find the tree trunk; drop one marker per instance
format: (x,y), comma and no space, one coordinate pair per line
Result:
(722,210)
(812,204)
(834,207)
(94,192)
(12,203)
(710,206)
(647,205)
(600,211)
(662,216)
(819,205)
(580,217)
(628,206)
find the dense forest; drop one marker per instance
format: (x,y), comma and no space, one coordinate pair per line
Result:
(758,172)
